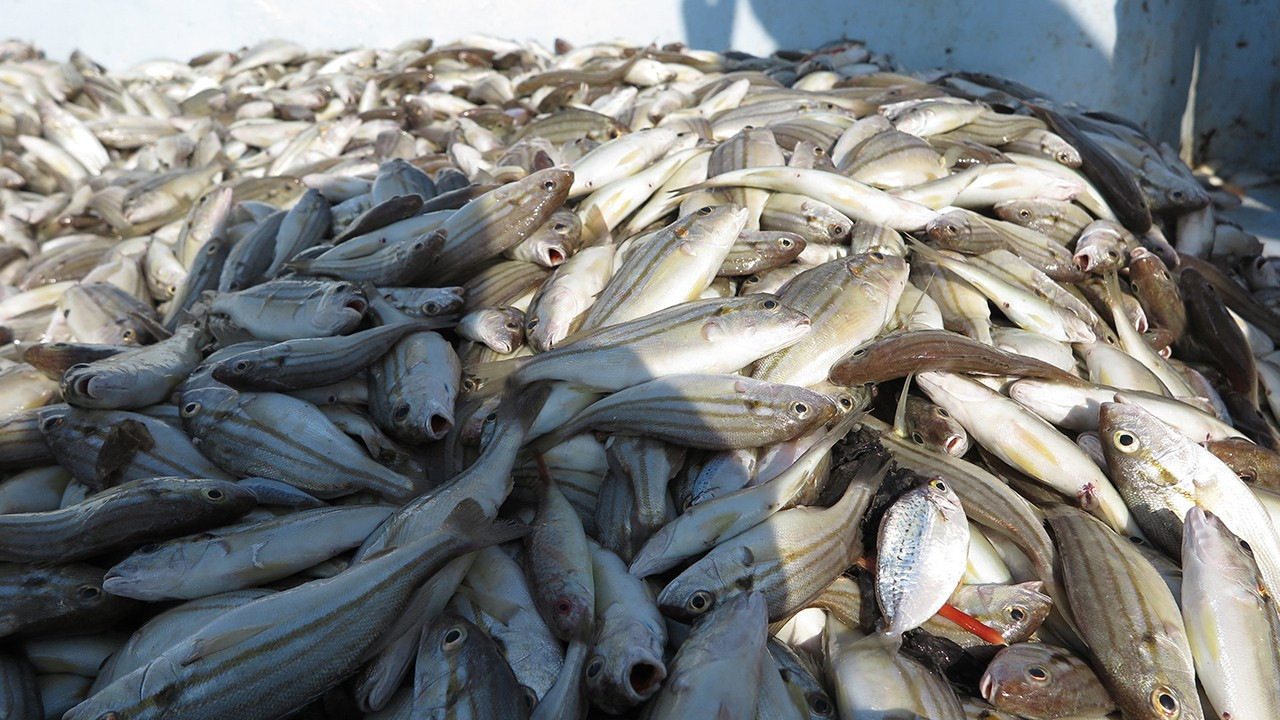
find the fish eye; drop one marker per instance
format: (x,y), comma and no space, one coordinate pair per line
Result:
(470,384)
(549,185)
(401,412)
(785,242)
(938,485)
(1025,214)
(820,706)
(213,494)
(491,417)
(751,279)
(699,602)
(191,408)
(1164,702)
(51,423)
(563,606)
(1016,613)
(705,210)
(109,715)
(1112,254)
(942,412)
(846,403)
(1177,195)
(1063,158)
(1037,673)
(531,323)
(1244,545)
(800,409)
(1245,476)
(89,592)
(1125,441)
(149,548)
(431,308)
(769,304)
(127,335)
(454,637)
(242,366)
(877,255)
(951,228)
(860,352)
(595,668)
(919,439)
(559,227)
(513,325)
(837,230)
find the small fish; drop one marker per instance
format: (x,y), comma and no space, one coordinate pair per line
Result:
(1043,681)
(922,541)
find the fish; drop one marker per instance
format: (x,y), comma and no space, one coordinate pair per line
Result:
(1153,677)
(379,283)
(1046,681)
(1230,620)
(922,539)
(133,512)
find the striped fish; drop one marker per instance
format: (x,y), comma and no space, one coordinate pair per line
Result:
(1128,618)
(264,659)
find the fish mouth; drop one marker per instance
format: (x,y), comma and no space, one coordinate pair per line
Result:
(954,446)
(644,678)
(81,385)
(357,303)
(439,425)
(986,687)
(1084,262)
(554,256)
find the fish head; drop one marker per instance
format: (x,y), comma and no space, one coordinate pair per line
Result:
(763,317)
(569,610)
(53,421)
(549,188)
(338,308)
(784,244)
(1206,538)
(1043,681)
(504,329)
(557,238)
(1016,611)
(796,408)
(712,580)
(208,497)
(241,367)
(1097,257)
(624,669)
(1140,448)
(418,418)
(203,406)
(99,387)
(480,425)
(949,229)
(149,573)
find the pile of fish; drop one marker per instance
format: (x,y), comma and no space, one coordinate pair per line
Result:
(486,380)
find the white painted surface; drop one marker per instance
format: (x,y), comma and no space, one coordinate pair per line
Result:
(1132,57)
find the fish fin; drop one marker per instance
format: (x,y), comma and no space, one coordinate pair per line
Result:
(524,404)
(470,519)
(900,416)
(595,230)
(204,646)
(158,676)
